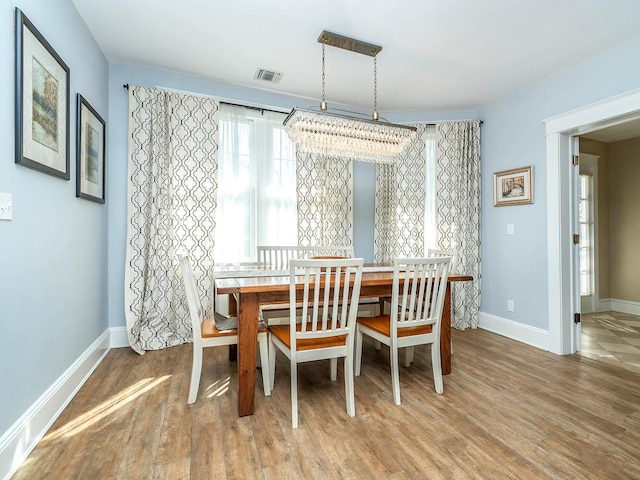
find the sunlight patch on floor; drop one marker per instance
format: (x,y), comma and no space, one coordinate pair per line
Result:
(218,388)
(106,408)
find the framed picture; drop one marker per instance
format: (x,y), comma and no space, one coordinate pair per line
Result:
(90,148)
(42,102)
(513,187)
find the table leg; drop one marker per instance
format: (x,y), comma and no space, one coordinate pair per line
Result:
(247,351)
(233,353)
(445,333)
(233,311)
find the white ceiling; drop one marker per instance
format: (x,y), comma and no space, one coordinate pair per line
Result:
(616,133)
(450,54)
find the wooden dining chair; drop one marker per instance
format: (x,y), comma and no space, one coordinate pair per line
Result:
(432,252)
(214,332)
(414,318)
(328,298)
(278,257)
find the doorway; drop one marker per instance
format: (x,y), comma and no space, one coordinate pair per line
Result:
(610,330)
(564,333)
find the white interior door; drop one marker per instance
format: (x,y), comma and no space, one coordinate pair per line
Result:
(575,252)
(588,223)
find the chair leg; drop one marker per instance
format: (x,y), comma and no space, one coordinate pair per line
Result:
(437,367)
(333,365)
(348,386)
(265,364)
(358,360)
(408,356)
(196,370)
(395,373)
(272,362)
(294,394)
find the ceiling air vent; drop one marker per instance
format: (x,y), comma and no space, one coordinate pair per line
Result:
(268,75)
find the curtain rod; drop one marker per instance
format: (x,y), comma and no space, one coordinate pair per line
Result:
(261,109)
(250,107)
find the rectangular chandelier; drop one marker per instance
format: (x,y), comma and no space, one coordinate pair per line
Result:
(345,136)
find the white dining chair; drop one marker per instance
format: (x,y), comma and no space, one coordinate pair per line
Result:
(415,315)
(328,297)
(278,257)
(214,332)
(432,252)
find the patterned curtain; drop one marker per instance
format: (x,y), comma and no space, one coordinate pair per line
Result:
(458,211)
(172,188)
(325,200)
(400,203)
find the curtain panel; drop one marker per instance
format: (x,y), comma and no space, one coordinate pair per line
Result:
(399,225)
(172,190)
(458,192)
(325,200)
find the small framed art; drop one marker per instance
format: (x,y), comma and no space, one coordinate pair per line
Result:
(42,102)
(513,187)
(90,153)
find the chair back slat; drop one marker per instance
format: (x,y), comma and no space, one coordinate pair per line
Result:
(334,287)
(278,257)
(455,256)
(424,283)
(193,300)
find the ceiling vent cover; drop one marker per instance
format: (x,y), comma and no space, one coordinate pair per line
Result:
(268,75)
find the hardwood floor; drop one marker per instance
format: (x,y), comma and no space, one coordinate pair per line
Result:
(613,338)
(508,411)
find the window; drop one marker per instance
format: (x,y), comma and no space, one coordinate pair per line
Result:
(585,222)
(256,184)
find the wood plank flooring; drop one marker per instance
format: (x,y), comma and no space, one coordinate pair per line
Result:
(508,411)
(612,337)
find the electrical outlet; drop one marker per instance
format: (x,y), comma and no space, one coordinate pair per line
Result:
(510,306)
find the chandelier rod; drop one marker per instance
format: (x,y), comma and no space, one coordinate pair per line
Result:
(353,45)
(323,104)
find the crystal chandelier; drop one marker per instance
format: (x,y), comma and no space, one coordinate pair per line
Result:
(339,135)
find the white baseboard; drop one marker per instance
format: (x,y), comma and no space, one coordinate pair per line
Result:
(615,305)
(118,337)
(17,442)
(508,328)
(625,306)
(604,305)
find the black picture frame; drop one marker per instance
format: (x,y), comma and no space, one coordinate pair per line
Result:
(90,152)
(42,102)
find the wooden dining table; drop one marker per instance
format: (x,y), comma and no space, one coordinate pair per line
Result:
(253,287)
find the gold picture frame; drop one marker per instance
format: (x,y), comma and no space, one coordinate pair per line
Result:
(513,187)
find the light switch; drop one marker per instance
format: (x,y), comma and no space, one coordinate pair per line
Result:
(510,230)
(6,206)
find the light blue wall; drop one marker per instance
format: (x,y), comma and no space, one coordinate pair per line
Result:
(53,252)
(513,135)
(364,173)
